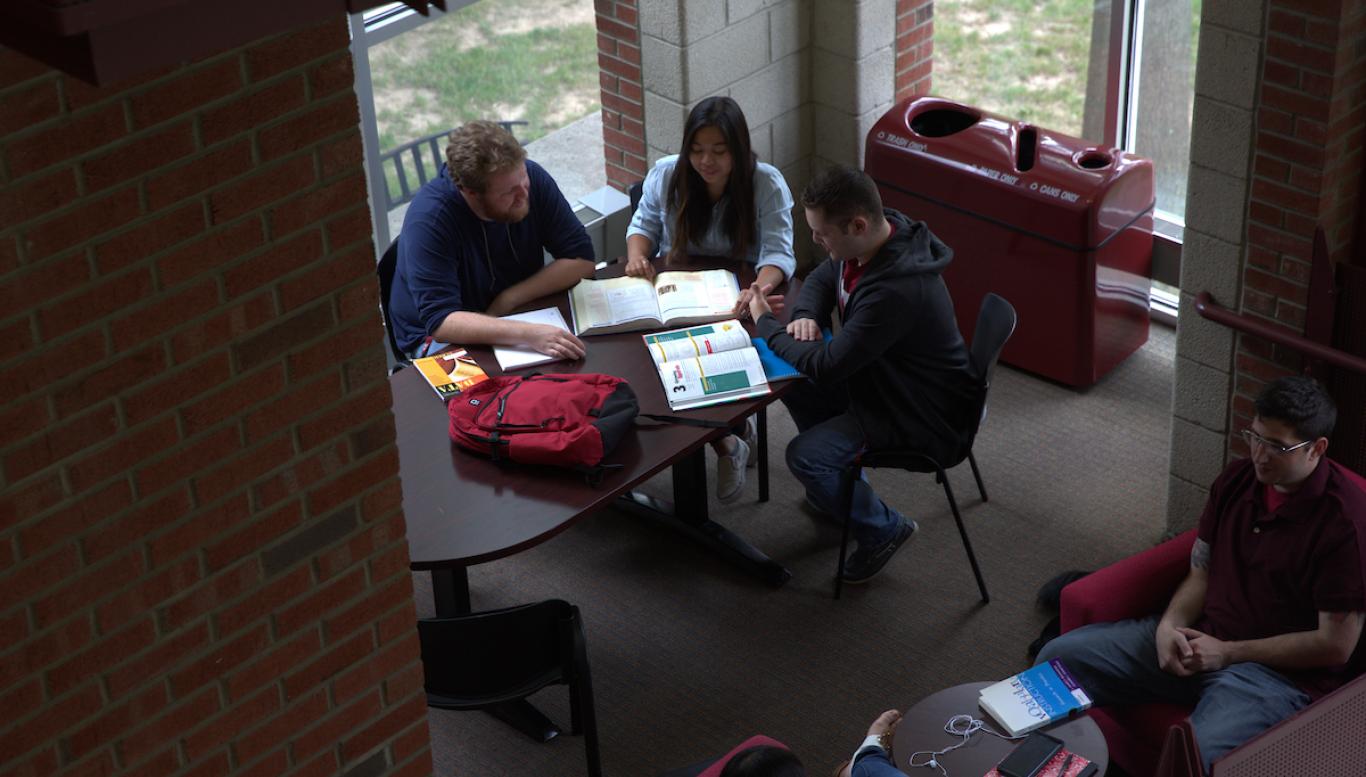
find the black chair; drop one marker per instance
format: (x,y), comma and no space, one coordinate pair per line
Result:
(995,323)
(634,192)
(487,659)
(385,271)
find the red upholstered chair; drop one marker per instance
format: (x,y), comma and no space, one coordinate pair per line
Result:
(1141,585)
(713,766)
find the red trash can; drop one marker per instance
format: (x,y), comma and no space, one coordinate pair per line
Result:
(1059,226)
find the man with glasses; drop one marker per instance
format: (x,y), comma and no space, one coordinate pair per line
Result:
(1271,612)
(472,248)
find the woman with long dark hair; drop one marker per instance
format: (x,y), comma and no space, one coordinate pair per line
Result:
(715,198)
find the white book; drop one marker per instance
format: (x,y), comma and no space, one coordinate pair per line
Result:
(515,358)
(1034,698)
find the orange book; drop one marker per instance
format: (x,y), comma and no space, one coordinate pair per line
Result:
(450,372)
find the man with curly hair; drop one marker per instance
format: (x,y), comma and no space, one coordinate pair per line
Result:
(473,248)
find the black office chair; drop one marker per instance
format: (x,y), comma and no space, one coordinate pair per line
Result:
(995,323)
(634,191)
(385,271)
(484,659)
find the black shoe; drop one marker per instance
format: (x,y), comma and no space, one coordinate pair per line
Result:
(865,563)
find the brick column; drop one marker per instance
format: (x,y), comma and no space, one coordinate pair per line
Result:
(1306,172)
(203,567)
(623,97)
(914,47)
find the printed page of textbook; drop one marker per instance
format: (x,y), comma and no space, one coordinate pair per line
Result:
(696,295)
(612,302)
(713,379)
(514,358)
(696,341)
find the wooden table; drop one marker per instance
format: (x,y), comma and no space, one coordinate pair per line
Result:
(922,728)
(462,509)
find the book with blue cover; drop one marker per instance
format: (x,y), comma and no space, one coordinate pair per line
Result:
(1034,698)
(775,366)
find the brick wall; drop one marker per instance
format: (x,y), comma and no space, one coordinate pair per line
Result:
(202,557)
(1306,172)
(623,96)
(914,47)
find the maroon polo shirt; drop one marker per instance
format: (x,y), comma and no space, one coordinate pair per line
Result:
(1271,572)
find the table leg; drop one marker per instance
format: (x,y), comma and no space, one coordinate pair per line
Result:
(451,592)
(688,514)
(763,453)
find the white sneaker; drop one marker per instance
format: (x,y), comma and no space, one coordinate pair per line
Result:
(751,439)
(730,472)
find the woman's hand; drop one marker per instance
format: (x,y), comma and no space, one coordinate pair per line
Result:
(640,267)
(767,302)
(757,300)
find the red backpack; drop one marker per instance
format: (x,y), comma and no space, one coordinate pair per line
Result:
(570,421)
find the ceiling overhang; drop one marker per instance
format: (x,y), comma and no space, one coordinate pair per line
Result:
(103,41)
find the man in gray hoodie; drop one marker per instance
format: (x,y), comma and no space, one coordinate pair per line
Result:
(897,375)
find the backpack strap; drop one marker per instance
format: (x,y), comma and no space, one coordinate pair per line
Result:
(679,420)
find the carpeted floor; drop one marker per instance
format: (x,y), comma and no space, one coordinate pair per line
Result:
(689,656)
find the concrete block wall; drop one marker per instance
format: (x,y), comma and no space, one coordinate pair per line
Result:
(853,61)
(1279,124)
(203,567)
(1223,116)
(750,50)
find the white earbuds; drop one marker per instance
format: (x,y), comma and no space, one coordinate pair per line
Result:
(963,726)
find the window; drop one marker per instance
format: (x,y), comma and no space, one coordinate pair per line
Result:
(529,63)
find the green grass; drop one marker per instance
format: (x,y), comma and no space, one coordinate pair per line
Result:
(546,76)
(1019,58)
(523,76)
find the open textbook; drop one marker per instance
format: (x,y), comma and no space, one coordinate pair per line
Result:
(709,364)
(633,304)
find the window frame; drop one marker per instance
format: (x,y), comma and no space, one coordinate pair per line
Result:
(370,28)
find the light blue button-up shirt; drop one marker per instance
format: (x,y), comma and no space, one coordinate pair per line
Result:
(772,211)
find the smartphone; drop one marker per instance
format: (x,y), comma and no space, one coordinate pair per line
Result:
(1029,757)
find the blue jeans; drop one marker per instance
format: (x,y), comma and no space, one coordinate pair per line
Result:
(828,442)
(1116,663)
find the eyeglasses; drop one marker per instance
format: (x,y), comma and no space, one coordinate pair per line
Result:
(1276,448)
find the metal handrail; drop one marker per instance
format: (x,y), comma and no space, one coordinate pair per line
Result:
(1208,308)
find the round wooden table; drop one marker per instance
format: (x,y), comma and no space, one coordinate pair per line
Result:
(922,728)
